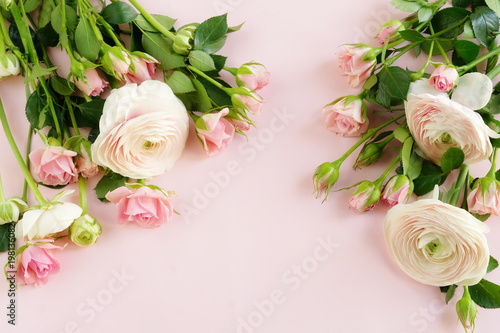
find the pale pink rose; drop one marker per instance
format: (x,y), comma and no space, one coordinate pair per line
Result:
(36,262)
(121,63)
(93,84)
(147,207)
(240,125)
(53,166)
(444,78)
(351,63)
(141,69)
(251,102)
(436,243)
(397,191)
(485,197)
(254,77)
(347,120)
(388,31)
(365,197)
(219,132)
(85,166)
(438,123)
(143,130)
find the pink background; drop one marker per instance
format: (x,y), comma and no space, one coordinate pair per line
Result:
(248,253)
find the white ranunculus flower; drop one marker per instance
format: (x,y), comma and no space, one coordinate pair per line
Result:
(436,243)
(473,90)
(47,220)
(438,123)
(143,130)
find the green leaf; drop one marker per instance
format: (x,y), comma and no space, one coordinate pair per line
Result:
(486,294)
(445,44)
(119,13)
(88,114)
(219,62)
(39,71)
(467,50)
(494,6)
(31,5)
(204,103)
(210,33)
(492,265)
(494,106)
(450,293)
(180,83)
(401,134)
(86,41)
(57,24)
(107,184)
(45,13)
(235,28)
(424,14)
(461,3)
(429,177)
(452,159)
(383,98)
(36,110)
(370,83)
(415,168)
(218,96)
(484,23)
(62,86)
(412,36)
(395,82)
(448,17)
(165,21)
(48,36)
(5,236)
(201,61)
(406,5)
(161,49)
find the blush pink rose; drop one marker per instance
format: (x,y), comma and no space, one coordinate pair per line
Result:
(142,68)
(388,31)
(218,134)
(147,207)
(397,191)
(240,125)
(354,62)
(85,166)
(36,262)
(93,84)
(485,197)
(249,100)
(253,76)
(444,78)
(365,197)
(54,166)
(346,119)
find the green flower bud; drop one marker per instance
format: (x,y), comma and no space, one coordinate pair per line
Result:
(11,209)
(325,176)
(9,65)
(6,4)
(466,312)
(370,153)
(85,230)
(365,197)
(184,38)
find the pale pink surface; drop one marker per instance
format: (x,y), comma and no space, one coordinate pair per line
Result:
(249,221)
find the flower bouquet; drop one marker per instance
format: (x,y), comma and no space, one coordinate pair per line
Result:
(436,119)
(111,114)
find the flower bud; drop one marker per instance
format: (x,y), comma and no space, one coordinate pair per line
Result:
(370,153)
(245,99)
(467,311)
(397,190)
(84,164)
(9,65)
(184,38)
(444,78)
(485,197)
(325,176)
(85,230)
(253,76)
(11,209)
(389,31)
(6,4)
(365,197)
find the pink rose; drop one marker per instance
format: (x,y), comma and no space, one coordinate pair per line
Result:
(355,62)
(397,190)
(36,262)
(240,125)
(252,76)
(147,207)
(85,166)
(346,119)
(92,84)
(119,61)
(143,68)
(249,101)
(485,197)
(388,31)
(218,134)
(365,197)
(54,166)
(444,78)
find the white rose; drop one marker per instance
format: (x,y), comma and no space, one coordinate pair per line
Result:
(47,220)
(438,123)
(143,130)
(436,243)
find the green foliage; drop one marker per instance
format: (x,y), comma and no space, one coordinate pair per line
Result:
(394,82)
(86,41)
(161,49)
(180,83)
(107,184)
(492,265)
(119,13)
(5,236)
(485,24)
(211,34)
(486,294)
(429,177)
(452,159)
(201,61)
(447,18)
(165,21)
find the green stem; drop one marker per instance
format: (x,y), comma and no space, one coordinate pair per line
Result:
(27,175)
(464,174)
(72,115)
(82,190)
(104,24)
(440,47)
(141,181)
(206,77)
(466,293)
(494,72)
(479,60)
(493,169)
(387,171)
(371,132)
(2,196)
(151,20)
(27,161)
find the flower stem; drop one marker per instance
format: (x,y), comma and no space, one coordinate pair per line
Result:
(479,60)
(493,169)
(387,171)
(27,161)
(2,196)
(82,190)
(72,115)
(463,175)
(206,77)
(151,20)
(494,72)
(27,175)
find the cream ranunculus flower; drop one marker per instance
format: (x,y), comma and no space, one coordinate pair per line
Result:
(438,123)
(143,130)
(436,243)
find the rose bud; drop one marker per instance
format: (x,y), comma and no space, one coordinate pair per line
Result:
(485,197)
(36,262)
(365,197)
(85,230)
(325,176)
(214,131)
(397,190)
(253,76)
(444,78)
(183,41)
(346,116)
(357,63)
(9,65)
(388,32)
(11,209)
(466,311)
(54,166)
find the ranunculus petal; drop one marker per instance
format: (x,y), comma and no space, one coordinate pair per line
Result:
(473,90)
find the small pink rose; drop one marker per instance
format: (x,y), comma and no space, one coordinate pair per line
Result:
(141,69)
(397,191)
(444,78)
(54,166)
(365,197)
(251,102)
(85,166)
(93,84)
(147,207)
(36,262)
(347,120)
(218,134)
(388,31)
(485,197)
(254,77)
(240,125)
(353,62)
